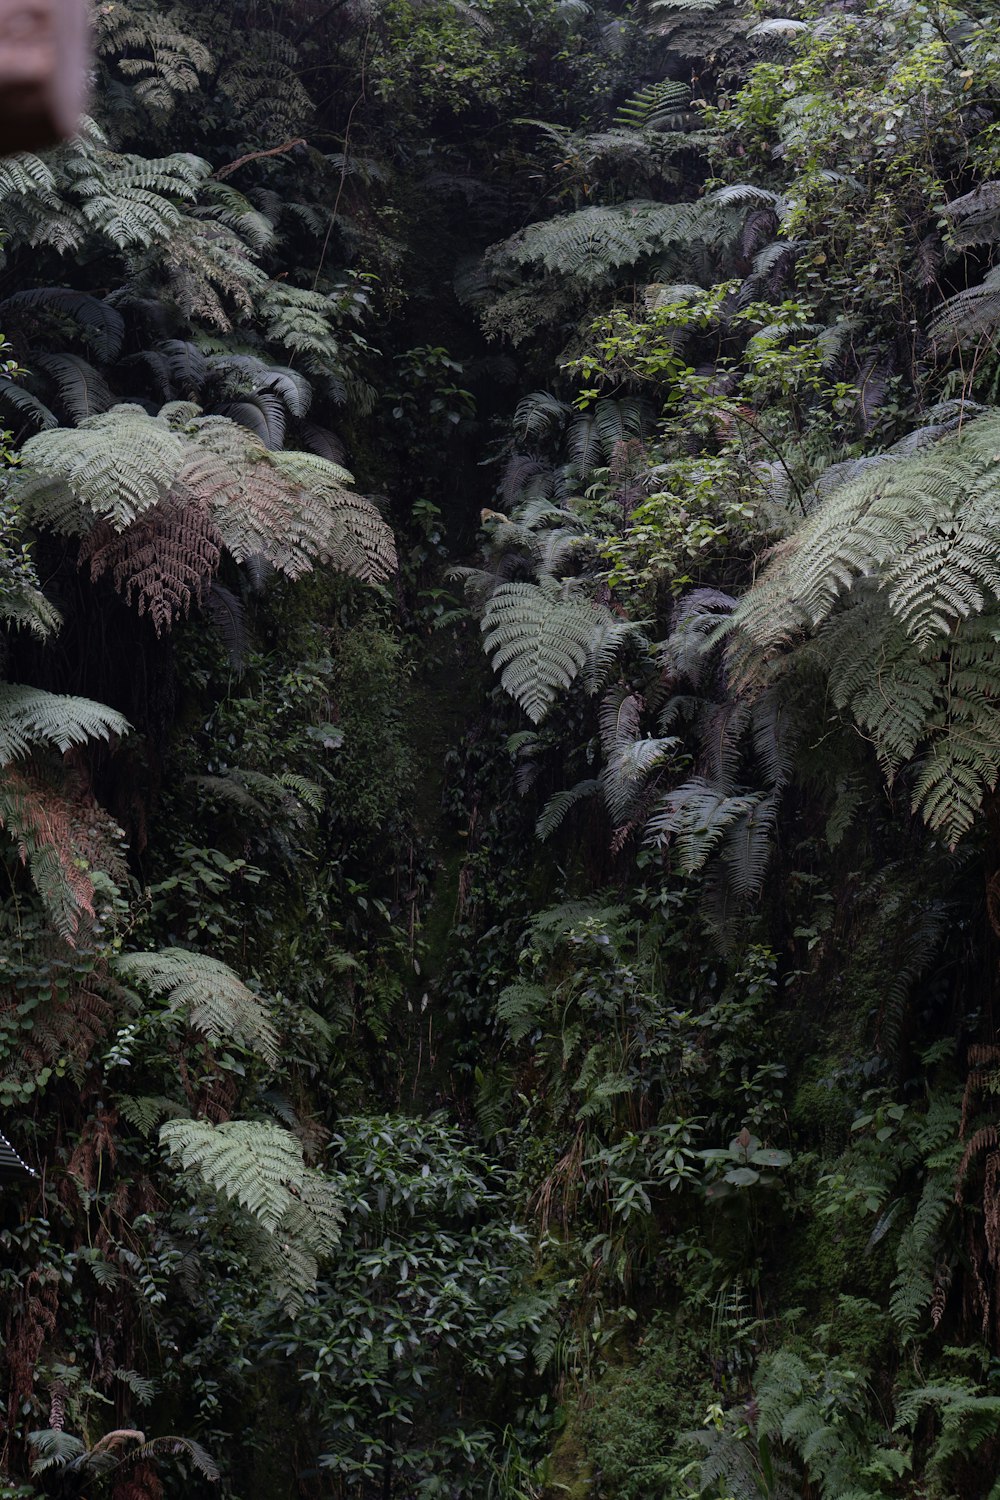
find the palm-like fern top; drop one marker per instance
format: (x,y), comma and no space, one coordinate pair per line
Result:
(157,498)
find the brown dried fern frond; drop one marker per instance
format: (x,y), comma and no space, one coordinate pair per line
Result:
(991,1207)
(983,1078)
(61,834)
(163,563)
(985,1139)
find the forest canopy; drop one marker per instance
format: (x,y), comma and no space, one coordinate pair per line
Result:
(499,744)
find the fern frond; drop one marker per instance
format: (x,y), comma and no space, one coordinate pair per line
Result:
(216,1002)
(597,434)
(101,324)
(193,481)
(969,315)
(30,717)
(593,243)
(913,1284)
(254,1162)
(113,466)
(746,848)
(26,607)
(17,399)
(974,217)
(539,415)
(891,584)
(83,390)
(559,804)
(520,1008)
(294,1213)
(696,815)
(628,758)
(229,617)
(163,563)
(654,107)
(539,636)
(145,1112)
(60,839)
(160,58)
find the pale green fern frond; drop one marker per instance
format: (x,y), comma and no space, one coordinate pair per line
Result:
(592,243)
(30,717)
(539,636)
(114,466)
(968,316)
(891,586)
(695,817)
(215,1000)
(254,1162)
(293,1212)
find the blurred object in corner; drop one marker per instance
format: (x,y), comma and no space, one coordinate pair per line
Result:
(43,71)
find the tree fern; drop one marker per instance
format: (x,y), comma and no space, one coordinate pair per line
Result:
(969,315)
(113,466)
(653,106)
(891,585)
(349,532)
(695,817)
(160,59)
(210,271)
(254,1162)
(216,1002)
(594,242)
(163,563)
(174,487)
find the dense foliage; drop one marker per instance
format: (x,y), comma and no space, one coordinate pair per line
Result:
(500,597)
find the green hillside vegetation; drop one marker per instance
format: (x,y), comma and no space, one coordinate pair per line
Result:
(499,756)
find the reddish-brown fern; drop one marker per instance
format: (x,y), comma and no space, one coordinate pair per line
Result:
(163,563)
